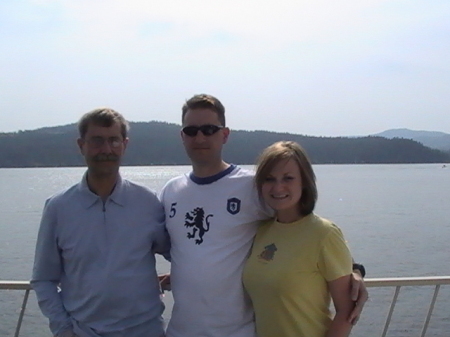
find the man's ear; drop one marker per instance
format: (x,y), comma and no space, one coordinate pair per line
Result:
(80,143)
(125,142)
(226,132)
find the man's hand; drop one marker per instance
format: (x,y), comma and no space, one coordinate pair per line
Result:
(359,296)
(164,282)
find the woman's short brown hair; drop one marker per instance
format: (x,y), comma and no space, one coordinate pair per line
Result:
(283,150)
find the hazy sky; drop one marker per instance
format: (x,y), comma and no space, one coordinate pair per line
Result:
(318,67)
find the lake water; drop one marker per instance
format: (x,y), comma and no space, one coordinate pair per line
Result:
(396,219)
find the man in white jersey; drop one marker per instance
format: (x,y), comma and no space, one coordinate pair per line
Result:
(211,216)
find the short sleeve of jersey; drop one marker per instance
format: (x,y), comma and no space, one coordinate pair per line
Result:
(335,259)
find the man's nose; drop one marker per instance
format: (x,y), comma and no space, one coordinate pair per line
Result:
(200,137)
(106,147)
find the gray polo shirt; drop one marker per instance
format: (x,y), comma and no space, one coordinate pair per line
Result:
(102,256)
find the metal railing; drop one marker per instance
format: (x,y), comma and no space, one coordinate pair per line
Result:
(400,282)
(18,285)
(397,282)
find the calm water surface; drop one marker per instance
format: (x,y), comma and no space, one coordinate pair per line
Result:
(396,219)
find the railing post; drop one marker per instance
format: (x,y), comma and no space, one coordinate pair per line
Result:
(391,311)
(430,310)
(22,312)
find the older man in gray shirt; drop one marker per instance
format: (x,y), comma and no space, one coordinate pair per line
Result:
(94,272)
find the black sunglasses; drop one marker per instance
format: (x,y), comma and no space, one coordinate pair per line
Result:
(207,130)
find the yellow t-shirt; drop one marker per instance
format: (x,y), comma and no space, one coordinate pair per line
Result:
(287,272)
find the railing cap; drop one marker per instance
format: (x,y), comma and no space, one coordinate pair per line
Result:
(18,285)
(407,281)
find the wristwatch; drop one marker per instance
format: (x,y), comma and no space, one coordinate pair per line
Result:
(359,267)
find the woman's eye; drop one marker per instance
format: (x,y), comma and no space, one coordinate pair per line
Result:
(268,179)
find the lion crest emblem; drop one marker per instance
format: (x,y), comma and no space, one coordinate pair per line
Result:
(198,222)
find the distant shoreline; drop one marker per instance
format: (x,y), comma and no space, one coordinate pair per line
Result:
(158,144)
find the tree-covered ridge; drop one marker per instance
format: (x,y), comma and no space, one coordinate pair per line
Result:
(159,143)
(432,139)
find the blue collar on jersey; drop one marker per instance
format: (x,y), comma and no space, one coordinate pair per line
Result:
(211,179)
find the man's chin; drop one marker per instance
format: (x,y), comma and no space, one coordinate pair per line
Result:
(201,155)
(104,170)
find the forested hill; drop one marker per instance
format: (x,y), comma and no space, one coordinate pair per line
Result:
(158,143)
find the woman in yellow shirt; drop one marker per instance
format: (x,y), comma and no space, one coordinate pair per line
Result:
(299,261)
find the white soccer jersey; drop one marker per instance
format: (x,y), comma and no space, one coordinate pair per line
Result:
(211,222)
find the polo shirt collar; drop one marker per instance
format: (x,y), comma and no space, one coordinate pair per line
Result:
(90,198)
(118,193)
